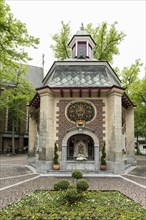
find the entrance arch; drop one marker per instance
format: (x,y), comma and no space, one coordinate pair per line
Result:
(80,145)
(85,132)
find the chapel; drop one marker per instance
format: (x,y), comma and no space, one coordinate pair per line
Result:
(81,107)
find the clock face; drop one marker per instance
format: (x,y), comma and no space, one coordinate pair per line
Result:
(80,111)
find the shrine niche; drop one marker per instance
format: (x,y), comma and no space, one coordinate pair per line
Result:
(80,146)
(77,111)
(81,150)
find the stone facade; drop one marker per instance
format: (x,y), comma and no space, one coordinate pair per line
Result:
(81,103)
(54,126)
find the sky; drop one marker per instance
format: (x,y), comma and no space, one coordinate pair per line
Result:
(43,19)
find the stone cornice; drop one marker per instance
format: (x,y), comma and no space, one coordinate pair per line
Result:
(44,91)
(116,91)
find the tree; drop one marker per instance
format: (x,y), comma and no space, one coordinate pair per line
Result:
(130,76)
(61,49)
(107,39)
(140,112)
(13,37)
(15,91)
(15,98)
(136,90)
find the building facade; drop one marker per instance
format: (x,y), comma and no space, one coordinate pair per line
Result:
(34,76)
(81,106)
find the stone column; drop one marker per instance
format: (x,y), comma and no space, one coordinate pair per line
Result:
(32,136)
(115,158)
(64,156)
(96,157)
(46,128)
(130,135)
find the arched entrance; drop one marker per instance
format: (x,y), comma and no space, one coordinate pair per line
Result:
(83,142)
(80,144)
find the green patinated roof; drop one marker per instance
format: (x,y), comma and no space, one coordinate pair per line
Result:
(81,76)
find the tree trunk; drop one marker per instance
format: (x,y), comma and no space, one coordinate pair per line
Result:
(13,136)
(137,145)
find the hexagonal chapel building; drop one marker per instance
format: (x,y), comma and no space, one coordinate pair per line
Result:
(80,107)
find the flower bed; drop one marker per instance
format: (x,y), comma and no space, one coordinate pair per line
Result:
(42,205)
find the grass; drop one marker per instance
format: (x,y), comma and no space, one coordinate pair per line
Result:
(97,205)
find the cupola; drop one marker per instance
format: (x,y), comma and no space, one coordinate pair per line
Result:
(82,45)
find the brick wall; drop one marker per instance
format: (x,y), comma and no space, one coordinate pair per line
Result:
(63,125)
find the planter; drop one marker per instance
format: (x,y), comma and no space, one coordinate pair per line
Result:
(103,167)
(56,167)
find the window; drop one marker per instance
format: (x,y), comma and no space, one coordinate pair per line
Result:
(81,50)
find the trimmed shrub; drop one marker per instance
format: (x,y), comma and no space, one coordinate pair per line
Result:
(82,185)
(71,195)
(71,187)
(103,157)
(55,159)
(77,174)
(61,185)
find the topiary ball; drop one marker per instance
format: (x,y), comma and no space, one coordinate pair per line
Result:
(71,195)
(82,185)
(77,174)
(61,185)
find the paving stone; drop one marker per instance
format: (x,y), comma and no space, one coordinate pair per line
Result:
(10,175)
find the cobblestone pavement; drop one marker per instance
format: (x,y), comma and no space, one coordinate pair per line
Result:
(17,180)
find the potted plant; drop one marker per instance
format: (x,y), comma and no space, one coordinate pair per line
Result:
(103,164)
(56,165)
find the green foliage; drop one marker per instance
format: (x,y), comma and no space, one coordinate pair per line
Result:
(95,205)
(61,49)
(139,98)
(13,37)
(135,88)
(74,192)
(82,185)
(77,174)
(103,156)
(129,76)
(15,91)
(107,39)
(56,156)
(61,185)
(72,195)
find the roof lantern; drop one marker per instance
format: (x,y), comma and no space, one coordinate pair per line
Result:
(82,45)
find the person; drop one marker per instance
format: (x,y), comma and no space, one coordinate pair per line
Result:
(9,150)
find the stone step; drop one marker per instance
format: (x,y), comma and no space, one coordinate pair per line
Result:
(127,166)
(85,172)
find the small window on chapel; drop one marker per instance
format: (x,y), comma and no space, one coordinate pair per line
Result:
(81,50)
